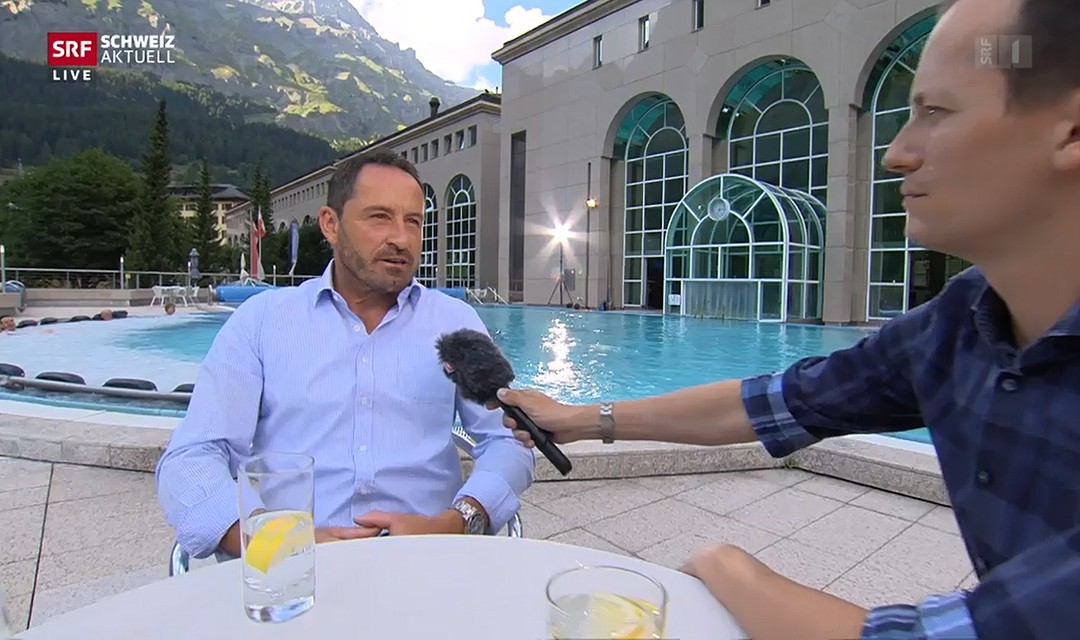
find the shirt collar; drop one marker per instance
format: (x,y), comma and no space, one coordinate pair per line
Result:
(410,293)
(993,320)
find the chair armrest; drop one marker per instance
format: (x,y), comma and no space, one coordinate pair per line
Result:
(178,560)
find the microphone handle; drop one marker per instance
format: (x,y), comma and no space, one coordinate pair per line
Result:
(544,440)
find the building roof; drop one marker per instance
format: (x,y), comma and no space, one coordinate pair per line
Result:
(574,18)
(483,101)
(217,191)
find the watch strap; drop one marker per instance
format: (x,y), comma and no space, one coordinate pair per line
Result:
(475,522)
(607,423)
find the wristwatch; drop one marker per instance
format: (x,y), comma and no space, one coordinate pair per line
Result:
(607,423)
(475,521)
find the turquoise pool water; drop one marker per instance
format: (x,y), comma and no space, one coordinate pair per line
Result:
(577,357)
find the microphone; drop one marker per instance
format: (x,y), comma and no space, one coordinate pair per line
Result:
(474,363)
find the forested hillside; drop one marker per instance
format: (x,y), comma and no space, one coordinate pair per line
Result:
(42,120)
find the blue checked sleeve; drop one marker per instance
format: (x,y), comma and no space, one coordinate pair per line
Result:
(776,428)
(866,388)
(1033,595)
(940,617)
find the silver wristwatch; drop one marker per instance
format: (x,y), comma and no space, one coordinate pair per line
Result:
(607,423)
(475,521)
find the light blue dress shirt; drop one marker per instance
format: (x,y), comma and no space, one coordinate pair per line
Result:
(294,369)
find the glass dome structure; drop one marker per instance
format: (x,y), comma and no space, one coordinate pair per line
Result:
(738,248)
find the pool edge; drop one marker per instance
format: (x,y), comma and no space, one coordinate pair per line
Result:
(135,443)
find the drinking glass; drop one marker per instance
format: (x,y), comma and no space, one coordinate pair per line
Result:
(605,602)
(277,535)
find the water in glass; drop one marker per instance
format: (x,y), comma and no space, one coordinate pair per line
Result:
(605,602)
(277,536)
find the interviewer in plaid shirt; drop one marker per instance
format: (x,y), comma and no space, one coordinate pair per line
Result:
(991,165)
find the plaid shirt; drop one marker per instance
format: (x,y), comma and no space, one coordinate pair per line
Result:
(1006,426)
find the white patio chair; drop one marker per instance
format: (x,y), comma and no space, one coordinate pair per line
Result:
(159,294)
(179,560)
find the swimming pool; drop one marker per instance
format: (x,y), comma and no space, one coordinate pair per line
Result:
(577,357)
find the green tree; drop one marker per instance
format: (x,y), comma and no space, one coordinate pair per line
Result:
(260,199)
(156,237)
(72,212)
(204,231)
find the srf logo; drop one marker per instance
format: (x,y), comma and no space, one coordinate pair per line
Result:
(73,49)
(1004,52)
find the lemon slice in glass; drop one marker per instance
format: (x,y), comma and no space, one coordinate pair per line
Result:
(277,536)
(622,618)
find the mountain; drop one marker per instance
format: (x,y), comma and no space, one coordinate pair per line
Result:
(114,113)
(317,64)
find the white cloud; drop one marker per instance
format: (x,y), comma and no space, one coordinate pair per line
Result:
(452,38)
(483,84)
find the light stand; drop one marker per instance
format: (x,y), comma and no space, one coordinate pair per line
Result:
(590,204)
(560,284)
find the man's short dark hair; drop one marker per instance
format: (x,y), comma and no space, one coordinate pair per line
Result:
(343,183)
(1053,29)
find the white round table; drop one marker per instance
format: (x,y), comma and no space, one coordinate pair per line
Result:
(469,587)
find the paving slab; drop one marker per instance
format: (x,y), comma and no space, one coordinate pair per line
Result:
(76,534)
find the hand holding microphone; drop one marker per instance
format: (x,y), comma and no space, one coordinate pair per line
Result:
(473,362)
(566,423)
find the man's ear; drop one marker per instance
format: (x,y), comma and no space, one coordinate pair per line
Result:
(328,223)
(1067,135)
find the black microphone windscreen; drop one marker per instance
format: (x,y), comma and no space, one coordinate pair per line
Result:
(474,363)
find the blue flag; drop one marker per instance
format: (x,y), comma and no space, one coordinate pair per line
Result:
(294,245)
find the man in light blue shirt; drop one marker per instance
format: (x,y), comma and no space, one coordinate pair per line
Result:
(344,368)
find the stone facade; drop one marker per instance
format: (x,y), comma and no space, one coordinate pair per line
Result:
(456,152)
(572,83)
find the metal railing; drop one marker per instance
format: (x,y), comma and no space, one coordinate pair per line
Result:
(14,286)
(38,278)
(487,295)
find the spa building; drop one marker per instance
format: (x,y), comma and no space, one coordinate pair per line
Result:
(701,157)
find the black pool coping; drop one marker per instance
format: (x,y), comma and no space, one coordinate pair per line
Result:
(13,370)
(119,314)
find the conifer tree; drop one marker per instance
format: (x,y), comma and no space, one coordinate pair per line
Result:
(155,241)
(204,224)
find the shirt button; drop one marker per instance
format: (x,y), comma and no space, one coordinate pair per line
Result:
(356,328)
(362,448)
(363,402)
(365,489)
(364,359)
(1010,384)
(983,477)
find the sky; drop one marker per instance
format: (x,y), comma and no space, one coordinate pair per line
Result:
(454,39)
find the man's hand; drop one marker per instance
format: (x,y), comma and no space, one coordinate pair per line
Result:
(405,524)
(333,534)
(568,423)
(769,606)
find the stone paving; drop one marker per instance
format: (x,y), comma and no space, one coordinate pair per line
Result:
(73,534)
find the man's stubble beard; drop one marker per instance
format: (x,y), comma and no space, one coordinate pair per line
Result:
(363,273)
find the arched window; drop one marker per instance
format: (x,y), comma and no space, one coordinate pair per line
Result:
(428,271)
(460,233)
(652,140)
(776,125)
(739,248)
(901,275)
